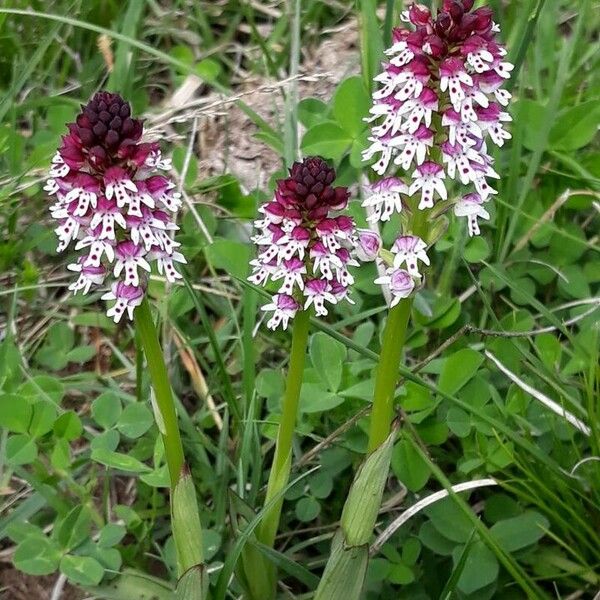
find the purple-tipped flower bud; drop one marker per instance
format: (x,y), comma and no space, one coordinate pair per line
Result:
(369,245)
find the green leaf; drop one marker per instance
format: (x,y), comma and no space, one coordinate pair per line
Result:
(106,409)
(530,115)
(232,257)
(431,538)
(81,354)
(459,422)
(93,319)
(521,531)
(315,399)
(328,140)
(110,535)
(270,383)
(575,127)
(364,498)
(15,414)
(74,529)
(107,440)
(312,111)
(344,574)
(480,568)
(122,462)
(350,104)
(307,509)
(477,249)
(549,350)
(401,574)
(208,69)
(82,570)
(42,421)
(458,369)
(42,387)
(68,426)
(409,467)
(327,356)
(20,450)
(36,556)
(135,420)
(187,531)
(447,517)
(320,484)
(61,455)
(211,542)
(193,585)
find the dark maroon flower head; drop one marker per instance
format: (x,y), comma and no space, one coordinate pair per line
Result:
(308,188)
(105,134)
(111,202)
(453,24)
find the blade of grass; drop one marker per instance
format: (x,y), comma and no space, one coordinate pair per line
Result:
(185,67)
(550,113)
(25,73)
(371,42)
(290,129)
(120,79)
(528,26)
(228,391)
(525,582)
(220,592)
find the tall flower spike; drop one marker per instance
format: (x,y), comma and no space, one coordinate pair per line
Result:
(302,245)
(439,100)
(113,203)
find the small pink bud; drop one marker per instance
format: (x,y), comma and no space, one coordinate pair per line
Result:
(369,245)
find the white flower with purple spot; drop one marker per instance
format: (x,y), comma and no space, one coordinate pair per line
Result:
(385,198)
(471,206)
(409,250)
(429,179)
(284,308)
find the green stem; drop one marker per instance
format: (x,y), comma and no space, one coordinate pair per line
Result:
(280,470)
(386,377)
(162,391)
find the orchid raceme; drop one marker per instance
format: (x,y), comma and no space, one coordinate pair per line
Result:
(303,245)
(439,102)
(113,204)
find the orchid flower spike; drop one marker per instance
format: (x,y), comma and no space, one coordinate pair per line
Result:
(303,245)
(113,204)
(439,102)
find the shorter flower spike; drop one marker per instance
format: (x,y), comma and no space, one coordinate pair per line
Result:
(112,202)
(302,245)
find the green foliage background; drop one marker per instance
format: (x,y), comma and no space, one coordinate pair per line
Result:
(504,318)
